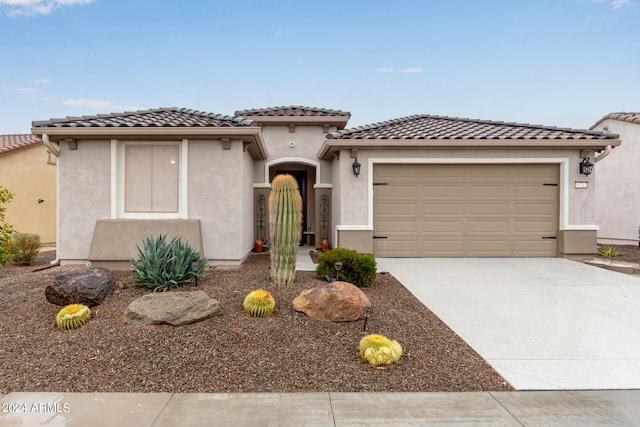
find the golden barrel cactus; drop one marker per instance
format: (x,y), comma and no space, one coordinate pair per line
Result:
(378,350)
(73,316)
(259,303)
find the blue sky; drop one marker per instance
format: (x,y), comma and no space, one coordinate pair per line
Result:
(553,62)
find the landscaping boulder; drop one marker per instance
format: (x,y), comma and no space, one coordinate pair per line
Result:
(172,308)
(89,286)
(333,302)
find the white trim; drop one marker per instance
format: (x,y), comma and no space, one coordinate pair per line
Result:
(267,166)
(563,162)
(315,186)
(582,227)
(118,181)
(262,185)
(183,184)
(114,179)
(354,228)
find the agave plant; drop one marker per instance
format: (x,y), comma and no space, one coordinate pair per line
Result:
(609,251)
(162,265)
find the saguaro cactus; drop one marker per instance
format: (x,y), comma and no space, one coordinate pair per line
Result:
(285,224)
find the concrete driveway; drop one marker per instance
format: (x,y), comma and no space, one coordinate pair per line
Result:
(542,323)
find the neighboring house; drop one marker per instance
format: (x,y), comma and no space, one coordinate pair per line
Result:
(427,185)
(25,171)
(617,197)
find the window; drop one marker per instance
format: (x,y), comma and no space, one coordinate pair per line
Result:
(148,179)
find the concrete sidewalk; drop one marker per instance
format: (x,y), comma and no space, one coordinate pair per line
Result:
(566,408)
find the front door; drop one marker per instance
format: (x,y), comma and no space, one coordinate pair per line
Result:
(301,177)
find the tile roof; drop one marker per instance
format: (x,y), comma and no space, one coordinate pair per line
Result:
(623,117)
(160,117)
(443,127)
(16,141)
(292,111)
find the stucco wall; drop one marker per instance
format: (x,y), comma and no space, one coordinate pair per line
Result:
(306,143)
(84,191)
(26,174)
(220,195)
(617,200)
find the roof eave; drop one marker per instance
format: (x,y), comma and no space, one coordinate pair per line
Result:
(252,134)
(331,146)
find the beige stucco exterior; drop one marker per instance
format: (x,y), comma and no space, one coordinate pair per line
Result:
(26,173)
(617,200)
(225,175)
(218,193)
(293,146)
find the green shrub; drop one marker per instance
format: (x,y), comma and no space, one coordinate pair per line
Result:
(609,251)
(23,248)
(161,266)
(359,269)
(5,229)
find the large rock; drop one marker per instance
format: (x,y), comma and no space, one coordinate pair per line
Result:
(333,302)
(89,286)
(172,308)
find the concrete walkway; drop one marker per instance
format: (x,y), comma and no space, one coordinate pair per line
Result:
(542,323)
(577,408)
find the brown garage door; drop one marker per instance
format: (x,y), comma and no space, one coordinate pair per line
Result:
(465,210)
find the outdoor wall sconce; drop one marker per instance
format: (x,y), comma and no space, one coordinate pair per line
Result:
(367,313)
(337,266)
(356,167)
(586,167)
(40,201)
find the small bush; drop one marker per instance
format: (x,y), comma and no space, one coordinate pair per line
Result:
(609,251)
(359,269)
(5,229)
(23,248)
(161,266)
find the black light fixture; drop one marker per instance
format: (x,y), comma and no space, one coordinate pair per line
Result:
(586,167)
(337,266)
(356,167)
(367,313)
(194,267)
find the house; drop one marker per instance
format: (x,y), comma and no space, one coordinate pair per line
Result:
(617,199)
(414,186)
(28,173)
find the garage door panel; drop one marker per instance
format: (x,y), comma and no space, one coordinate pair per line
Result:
(546,209)
(442,191)
(396,227)
(397,191)
(540,228)
(447,226)
(482,191)
(488,227)
(441,209)
(466,210)
(396,209)
(489,209)
(440,246)
(488,248)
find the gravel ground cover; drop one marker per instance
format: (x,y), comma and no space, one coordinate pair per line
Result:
(287,352)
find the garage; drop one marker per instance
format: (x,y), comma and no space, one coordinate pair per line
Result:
(465,210)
